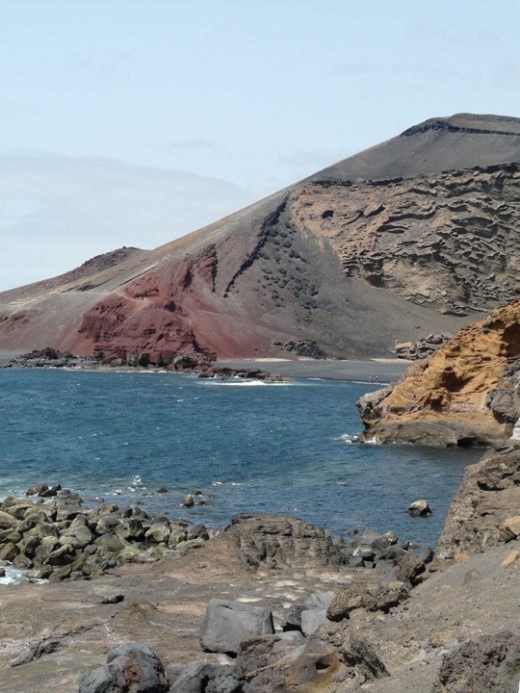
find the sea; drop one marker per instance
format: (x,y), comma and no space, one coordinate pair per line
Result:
(247,445)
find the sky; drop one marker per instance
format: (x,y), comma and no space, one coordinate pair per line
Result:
(125,122)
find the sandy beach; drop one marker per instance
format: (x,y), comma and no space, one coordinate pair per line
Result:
(383,371)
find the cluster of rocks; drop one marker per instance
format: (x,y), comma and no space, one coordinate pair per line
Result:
(421,348)
(303,655)
(274,541)
(200,364)
(305,347)
(53,358)
(308,647)
(49,358)
(387,553)
(57,538)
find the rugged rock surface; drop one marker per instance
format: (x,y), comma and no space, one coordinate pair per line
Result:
(278,541)
(488,496)
(420,232)
(421,348)
(466,394)
(433,638)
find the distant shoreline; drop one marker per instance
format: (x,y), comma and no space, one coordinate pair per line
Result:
(383,371)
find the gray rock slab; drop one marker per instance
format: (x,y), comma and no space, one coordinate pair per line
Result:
(227,623)
(312,619)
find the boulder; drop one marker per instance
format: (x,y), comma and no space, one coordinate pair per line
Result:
(419,508)
(391,595)
(313,670)
(510,529)
(407,569)
(283,542)
(159,532)
(317,601)
(360,654)
(193,678)
(357,597)
(312,619)
(7,521)
(133,668)
(227,623)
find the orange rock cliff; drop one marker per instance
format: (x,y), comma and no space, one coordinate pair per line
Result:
(464,395)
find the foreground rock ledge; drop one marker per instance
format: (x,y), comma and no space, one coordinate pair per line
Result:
(383,636)
(465,395)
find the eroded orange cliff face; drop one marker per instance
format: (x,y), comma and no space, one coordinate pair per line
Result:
(465,394)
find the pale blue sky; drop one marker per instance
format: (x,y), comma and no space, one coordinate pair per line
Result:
(126,122)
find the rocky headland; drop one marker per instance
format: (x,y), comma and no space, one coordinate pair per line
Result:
(466,394)
(273,604)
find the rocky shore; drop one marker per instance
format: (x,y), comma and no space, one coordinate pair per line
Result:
(271,603)
(197,364)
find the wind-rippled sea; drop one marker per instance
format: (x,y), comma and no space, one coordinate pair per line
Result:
(282,448)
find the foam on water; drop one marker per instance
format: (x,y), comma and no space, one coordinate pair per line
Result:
(13,576)
(240,382)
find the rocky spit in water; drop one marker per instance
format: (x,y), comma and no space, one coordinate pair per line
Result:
(170,624)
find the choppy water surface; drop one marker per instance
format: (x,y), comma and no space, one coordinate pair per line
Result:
(283,448)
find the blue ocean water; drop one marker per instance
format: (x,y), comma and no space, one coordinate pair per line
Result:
(283,448)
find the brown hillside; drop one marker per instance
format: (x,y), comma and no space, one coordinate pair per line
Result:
(385,246)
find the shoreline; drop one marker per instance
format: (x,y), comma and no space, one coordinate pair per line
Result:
(370,371)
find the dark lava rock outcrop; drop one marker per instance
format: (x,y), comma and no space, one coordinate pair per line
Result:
(486,500)
(464,395)
(417,233)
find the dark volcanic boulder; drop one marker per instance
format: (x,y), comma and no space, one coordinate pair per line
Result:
(131,668)
(282,541)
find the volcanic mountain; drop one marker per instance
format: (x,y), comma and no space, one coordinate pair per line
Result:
(416,235)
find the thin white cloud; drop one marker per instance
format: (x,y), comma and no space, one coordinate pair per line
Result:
(56,212)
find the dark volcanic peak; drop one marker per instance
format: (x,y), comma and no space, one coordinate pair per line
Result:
(470,123)
(439,144)
(415,236)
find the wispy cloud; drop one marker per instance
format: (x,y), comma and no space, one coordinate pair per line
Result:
(56,212)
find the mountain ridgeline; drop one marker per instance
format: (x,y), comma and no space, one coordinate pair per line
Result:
(417,235)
